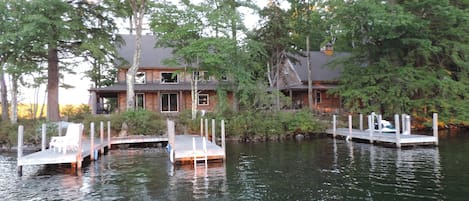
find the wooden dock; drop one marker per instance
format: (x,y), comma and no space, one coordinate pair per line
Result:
(90,147)
(194,148)
(398,138)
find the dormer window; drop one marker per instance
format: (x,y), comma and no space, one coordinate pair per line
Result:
(169,78)
(140,78)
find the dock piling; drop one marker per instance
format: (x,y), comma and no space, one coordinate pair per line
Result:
(60,128)
(408,125)
(214,139)
(201,127)
(334,125)
(223,146)
(80,149)
(206,128)
(92,141)
(370,127)
(101,135)
(361,122)
(380,125)
(349,137)
(398,136)
(20,149)
(108,135)
(43,137)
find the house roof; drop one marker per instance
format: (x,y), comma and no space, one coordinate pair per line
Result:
(319,62)
(154,87)
(151,56)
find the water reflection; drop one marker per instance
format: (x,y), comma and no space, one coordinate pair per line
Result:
(205,181)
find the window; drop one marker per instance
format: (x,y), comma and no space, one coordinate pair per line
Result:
(318,97)
(203,99)
(140,78)
(200,75)
(169,78)
(169,102)
(140,101)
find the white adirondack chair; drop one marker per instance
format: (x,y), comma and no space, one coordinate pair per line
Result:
(69,141)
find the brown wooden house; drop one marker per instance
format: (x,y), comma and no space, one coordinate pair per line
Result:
(158,87)
(293,81)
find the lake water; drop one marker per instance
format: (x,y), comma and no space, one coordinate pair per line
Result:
(312,169)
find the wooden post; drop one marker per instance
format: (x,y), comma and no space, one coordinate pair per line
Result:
(398,136)
(201,127)
(101,136)
(20,150)
(206,129)
(361,122)
(223,146)
(334,125)
(435,127)
(43,137)
(349,137)
(371,127)
(214,139)
(80,149)
(92,141)
(380,125)
(108,135)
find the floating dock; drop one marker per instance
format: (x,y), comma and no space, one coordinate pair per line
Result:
(397,138)
(194,148)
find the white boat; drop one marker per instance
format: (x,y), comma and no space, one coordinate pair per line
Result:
(386,126)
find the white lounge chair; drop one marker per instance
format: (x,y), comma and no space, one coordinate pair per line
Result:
(69,141)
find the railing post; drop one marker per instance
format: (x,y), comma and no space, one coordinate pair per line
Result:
(43,137)
(92,141)
(435,127)
(20,150)
(403,125)
(408,125)
(60,128)
(398,136)
(214,140)
(195,153)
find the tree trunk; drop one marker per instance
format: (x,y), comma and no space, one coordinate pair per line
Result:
(14,100)
(53,84)
(4,99)
(310,76)
(138,11)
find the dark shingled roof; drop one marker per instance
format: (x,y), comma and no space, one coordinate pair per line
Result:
(151,57)
(320,70)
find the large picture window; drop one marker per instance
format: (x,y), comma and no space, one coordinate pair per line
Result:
(169,78)
(203,99)
(140,101)
(169,102)
(318,97)
(140,78)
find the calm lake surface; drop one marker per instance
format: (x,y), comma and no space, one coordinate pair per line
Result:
(312,169)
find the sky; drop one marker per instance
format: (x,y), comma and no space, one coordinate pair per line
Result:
(80,94)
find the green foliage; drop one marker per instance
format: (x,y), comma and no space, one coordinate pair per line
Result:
(404,59)
(251,124)
(141,122)
(75,113)
(8,134)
